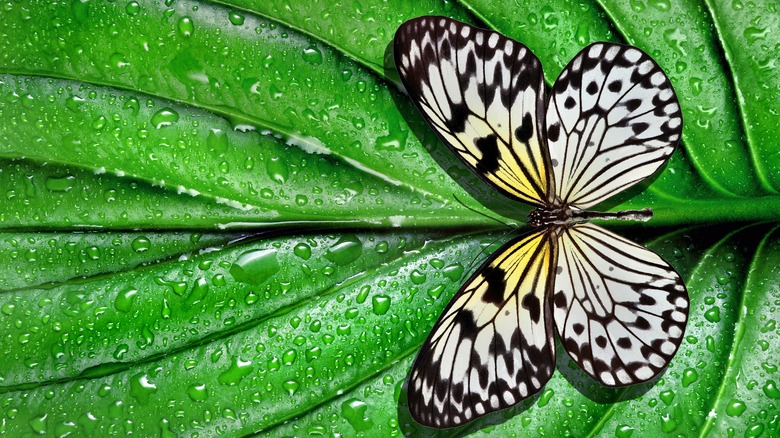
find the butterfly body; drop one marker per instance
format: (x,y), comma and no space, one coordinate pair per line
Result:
(611,121)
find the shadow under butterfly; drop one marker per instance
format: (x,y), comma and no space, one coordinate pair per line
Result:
(612,120)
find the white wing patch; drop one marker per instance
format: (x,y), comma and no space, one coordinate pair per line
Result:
(493,345)
(483,94)
(619,308)
(613,119)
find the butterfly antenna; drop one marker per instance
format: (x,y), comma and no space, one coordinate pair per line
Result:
(472,209)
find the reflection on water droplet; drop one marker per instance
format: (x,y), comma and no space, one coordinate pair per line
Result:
(312,55)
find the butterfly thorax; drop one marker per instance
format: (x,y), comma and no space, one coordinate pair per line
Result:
(566,215)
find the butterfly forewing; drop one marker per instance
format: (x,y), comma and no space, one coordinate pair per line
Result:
(619,308)
(612,120)
(493,345)
(483,94)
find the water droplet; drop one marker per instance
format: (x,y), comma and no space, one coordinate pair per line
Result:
(345,251)
(217,141)
(132,8)
(120,351)
(661,5)
(277,170)
(236,18)
(313,353)
(545,398)
(301,200)
(667,397)
(735,408)
(312,55)
(362,294)
(186,26)
(380,304)
(713,314)
(255,267)
(199,291)
(417,277)
(771,390)
(689,376)
(237,371)
(354,411)
(38,424)
(197,392)
(124,300)
(164,117)
(291,386)
(302,250)
(753,34)
(436,292)
(141,388)
(624,431)
(63,184)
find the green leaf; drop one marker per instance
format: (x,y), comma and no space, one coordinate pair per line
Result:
(136,135)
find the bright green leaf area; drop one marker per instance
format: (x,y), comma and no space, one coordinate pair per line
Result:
(226,219)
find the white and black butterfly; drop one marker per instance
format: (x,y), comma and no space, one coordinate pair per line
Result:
(611,121)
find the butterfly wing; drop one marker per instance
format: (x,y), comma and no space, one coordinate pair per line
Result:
(483,94)
(613,119)
(493,346)
(619,308)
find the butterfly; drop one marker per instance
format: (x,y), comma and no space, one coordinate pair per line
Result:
(611,121)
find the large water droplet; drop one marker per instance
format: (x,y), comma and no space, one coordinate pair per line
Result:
(345,251)
(164,117)
(255,267)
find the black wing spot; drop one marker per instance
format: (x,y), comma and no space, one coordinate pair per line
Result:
(460,113)
(615,86)
(489,148)
(592,88)
(496,285)
(633,104)
(554,132)
(601,341)
(569,103)
(578,328)
(534,306)
(624,343)
(639,128)
(524,132)
(560,299)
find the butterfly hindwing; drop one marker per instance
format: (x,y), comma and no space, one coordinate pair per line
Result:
(619,308)
(493,345)
(483,94)
(612,120)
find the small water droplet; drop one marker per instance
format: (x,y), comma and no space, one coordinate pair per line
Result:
(236,18)
(735,408)
(186,26)
(132,8)
(63,185)
(380,304)
(771,390)
(690,375)
(354,411)
(345,251)
(197,392)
